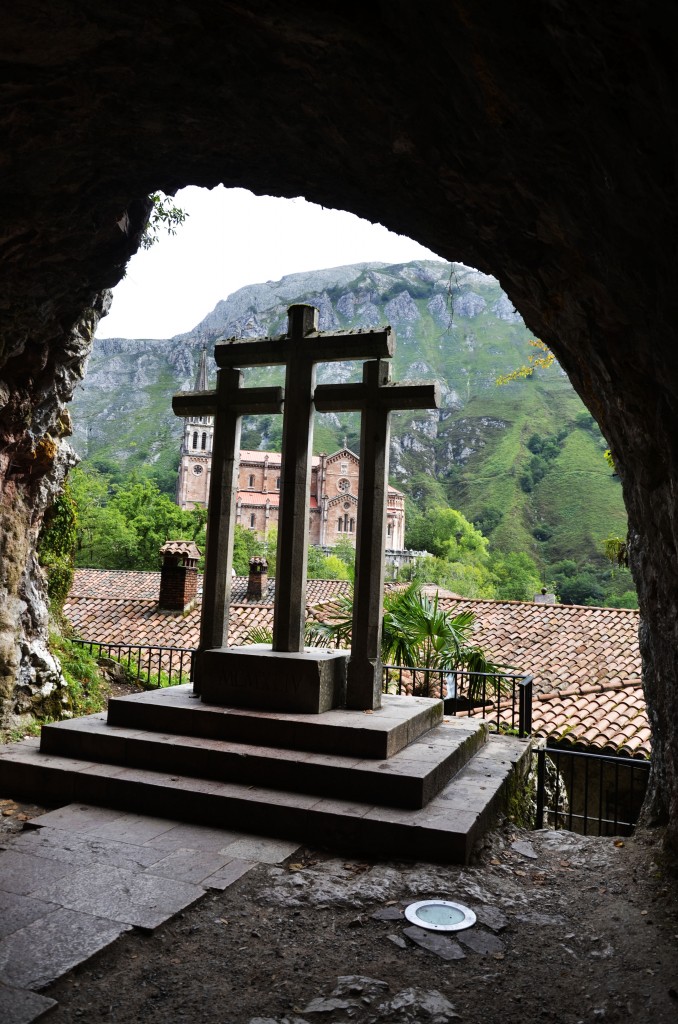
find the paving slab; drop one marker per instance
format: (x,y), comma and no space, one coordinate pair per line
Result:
(193,837)
(265,851)
(189,865)
(18,911)
(19,1006)
(82,849)
(75,817)
(133,828)
(38,954)
(120,895)
(22,873)
(230,873)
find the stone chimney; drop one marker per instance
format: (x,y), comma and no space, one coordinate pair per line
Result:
(257,583)
(544,597)
(178,576)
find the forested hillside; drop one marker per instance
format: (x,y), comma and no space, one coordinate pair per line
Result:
(524,461)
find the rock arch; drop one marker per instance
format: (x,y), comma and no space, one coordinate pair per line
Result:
(532,141)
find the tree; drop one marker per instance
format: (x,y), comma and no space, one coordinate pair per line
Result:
(516,575)
(534,362)
(124,526)
(164,216)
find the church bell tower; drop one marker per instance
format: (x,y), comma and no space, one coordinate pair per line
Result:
(193,483)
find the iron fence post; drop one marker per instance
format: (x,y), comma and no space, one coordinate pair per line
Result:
(541,787)
(525,707)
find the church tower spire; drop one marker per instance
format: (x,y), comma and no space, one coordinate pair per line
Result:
(193,481)
(201,378)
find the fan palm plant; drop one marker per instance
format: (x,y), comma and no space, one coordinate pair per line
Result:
(416,634)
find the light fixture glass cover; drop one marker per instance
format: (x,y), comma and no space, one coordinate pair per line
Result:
(440,915)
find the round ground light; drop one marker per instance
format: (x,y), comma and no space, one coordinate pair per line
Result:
(440,915)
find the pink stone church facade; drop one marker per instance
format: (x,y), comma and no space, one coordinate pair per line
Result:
(333,512)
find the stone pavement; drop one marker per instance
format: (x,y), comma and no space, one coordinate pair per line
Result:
(81,876)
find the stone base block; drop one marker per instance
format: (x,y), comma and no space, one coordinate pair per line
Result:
(308,682)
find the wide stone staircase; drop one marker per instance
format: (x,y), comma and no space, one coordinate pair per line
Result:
(399,781)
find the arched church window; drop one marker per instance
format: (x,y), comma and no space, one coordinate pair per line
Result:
(195,438)
(252,520)
(203,443)
(351,526)
(251,480)
(340,524)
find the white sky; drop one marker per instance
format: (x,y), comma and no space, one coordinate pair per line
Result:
(231,239)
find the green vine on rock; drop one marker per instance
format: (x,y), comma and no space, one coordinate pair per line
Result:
(56,548)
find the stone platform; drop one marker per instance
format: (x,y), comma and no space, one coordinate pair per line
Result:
(430,797)
(257,677)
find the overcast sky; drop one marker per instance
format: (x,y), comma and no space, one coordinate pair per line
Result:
(231,239)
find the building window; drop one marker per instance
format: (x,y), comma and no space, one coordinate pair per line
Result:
(277,483)
(344,467)
(203,443)
(388,530)
(344,485)
(351,526)
(251,480)
(195,438)
(252,520)
(340,524)
(197,470)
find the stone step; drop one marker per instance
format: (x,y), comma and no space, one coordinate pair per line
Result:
(379,734)
(411,778)
(443,831)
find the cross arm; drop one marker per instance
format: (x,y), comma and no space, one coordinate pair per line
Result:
(241,400)
(350,397)
(342,346)
(185,403)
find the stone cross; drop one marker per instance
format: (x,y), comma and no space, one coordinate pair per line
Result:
(227,404)
(375,398)
(299,351)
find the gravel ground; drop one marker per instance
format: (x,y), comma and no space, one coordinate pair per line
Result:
(569,930)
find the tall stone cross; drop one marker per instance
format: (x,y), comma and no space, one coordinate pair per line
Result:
(376,397)
(300,350)
(227,404)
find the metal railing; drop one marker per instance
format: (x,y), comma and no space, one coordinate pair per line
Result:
(505,699)
(148,664)
(592,794)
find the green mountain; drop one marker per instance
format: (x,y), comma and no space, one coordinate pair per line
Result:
(523,461)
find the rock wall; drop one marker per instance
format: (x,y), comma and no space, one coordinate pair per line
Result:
(34,459)
(533,141)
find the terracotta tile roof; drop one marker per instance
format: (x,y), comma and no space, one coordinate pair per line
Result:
(122,607)
(181,547)
(259,498)
(586,668)
(271,498)
(560,645)
(605,719)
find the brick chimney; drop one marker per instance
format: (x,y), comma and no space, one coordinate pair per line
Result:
(257,583)
(178,576)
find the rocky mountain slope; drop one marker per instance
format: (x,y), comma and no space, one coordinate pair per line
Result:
(524,461)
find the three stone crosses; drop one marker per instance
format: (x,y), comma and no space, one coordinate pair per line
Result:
(285,676)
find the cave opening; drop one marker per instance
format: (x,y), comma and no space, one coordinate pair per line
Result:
(552,170)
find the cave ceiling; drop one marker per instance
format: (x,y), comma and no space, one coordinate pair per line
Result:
(527,140)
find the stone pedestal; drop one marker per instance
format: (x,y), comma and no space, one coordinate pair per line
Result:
(307,682)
